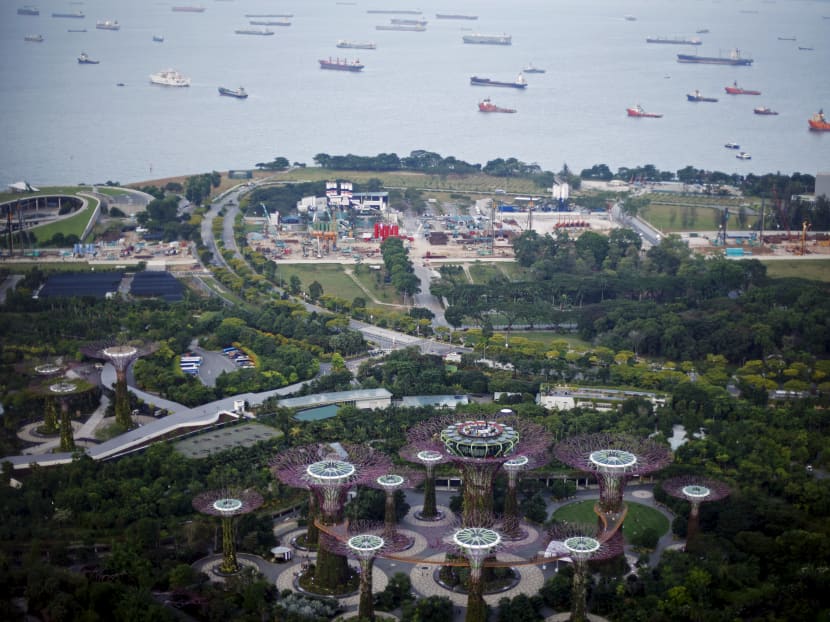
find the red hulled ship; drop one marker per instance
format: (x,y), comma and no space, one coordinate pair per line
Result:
(485,105)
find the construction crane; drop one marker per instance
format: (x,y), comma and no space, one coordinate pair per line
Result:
(267,220)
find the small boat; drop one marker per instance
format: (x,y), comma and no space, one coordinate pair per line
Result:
(786,38)
(341,64)
(732,146)
(638,111)
(485,105)
(737,90)
(819,123)
(805,49)
(743,155)
(675,40)
(697,97)
(520,82)
(108,24)
(34,38)
(239,93)
(630,18)
(764,110)
(28,10)
(702,31)
(531,69)
(120,84)
(356,45)
(84,59)
(158,38)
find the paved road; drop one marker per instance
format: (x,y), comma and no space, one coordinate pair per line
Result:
(8,285)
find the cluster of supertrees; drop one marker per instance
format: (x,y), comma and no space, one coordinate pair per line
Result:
(121,356)
(479,448)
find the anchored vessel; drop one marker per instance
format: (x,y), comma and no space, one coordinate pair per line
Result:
(520,82)
(258,22)
(356,45)
(407,27)
(638,111)
(485,105)
(743,155)
(488,39)
(34,38)
(764,110)
(732,146)
(108,24)
(674,40)
(697,97)
(454,16)
(531,69)
(254,31)
(339,64)
(73,15)
(737,90)
(169,77)
(239,93)
(28,10)
(188,9)
(734,58)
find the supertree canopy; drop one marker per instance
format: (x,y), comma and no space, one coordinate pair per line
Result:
(478,448)
(696,490)
(580,543)
(329,476)
(389,484)
(121,356)
(226,504)
(476,544)
(364,542)
(430,459)
(614,459)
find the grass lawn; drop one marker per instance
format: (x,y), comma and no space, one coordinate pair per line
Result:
(330,276)
(483,272)
(813,269)
(549,336)
(382,292)
(72,224)
(640,517)
(691,217)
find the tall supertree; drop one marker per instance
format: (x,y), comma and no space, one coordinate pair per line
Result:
(121,357)
(696,490)
(226,504)
(430,459)
(476,544)
(389,484)
(511,525)
(63,391)
(581,543)
(478,448)
(367,543)
(330,476)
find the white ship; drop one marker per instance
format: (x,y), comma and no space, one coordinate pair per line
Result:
(108,24)
(356,45)
(169,77)
(488,39)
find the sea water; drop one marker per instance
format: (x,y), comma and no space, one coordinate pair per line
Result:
(63,122)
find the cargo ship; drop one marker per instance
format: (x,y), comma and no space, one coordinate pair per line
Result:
(455,16)
(764,110)
(262,32)
(73,15)
(266,22)
(404,27)
(108,24)
(485,105)
(394,12)
(408,22)
(638,111)
(34,38)
(84,59)
(697,97)
(531,69)
(188,9)
(520,82)
(356,45)
(239,93)
(674,40)
(28,10)
(169,77)
(737,90)
(734,58)
(269,15)
(488,39)
(343,64)
(818,122)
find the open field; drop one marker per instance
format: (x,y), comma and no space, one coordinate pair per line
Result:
(639,518)
(813,269)
(675,218)
(75,224)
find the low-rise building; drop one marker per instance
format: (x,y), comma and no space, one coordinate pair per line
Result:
(560,397)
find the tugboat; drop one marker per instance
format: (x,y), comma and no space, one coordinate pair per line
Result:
(764,110)
(84,59)
(485,105)
(819,123)
(638,111)
(239,93)
(520,82)
(107,24)
(697,97)
(732,146)
(737,90)
(531,69)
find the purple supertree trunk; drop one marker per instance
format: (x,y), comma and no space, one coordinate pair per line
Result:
(696,490)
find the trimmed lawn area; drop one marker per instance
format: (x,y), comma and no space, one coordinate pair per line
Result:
(812,269)
(640,517)
(368,277)
(483,272)
(330,276)
(74,224)
(548,336)
(691,217)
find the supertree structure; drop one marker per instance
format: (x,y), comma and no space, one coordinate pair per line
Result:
(614,459)
(389,484)
(430,459)
(61,391)
(226,504)
(580,543)
(64,389)
(330,476)
(696,490)
(363,542)
(476,544)
(121,357)
(510,521)
(478,448)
